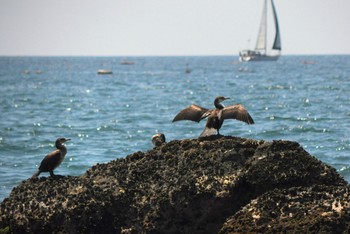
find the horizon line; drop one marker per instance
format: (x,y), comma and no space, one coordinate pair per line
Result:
(170,55)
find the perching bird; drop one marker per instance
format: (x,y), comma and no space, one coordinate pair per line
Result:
(216,116)
(53,159)
(158,139)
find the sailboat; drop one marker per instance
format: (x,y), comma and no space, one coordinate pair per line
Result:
(261,53)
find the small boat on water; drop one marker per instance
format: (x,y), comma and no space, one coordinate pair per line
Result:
(308,62)
(104,72)
(188,70)
(127,62)
(261,53)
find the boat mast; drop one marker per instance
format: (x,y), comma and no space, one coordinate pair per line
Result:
(261,42)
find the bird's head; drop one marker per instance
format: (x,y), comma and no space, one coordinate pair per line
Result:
(158,139)
(61,140)
(218,100)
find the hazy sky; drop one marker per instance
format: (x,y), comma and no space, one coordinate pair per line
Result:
(167,27)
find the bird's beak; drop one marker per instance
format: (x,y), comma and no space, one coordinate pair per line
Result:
(227,98)
(67,139)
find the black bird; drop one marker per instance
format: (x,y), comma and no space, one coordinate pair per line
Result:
(216,116)
(53,159)
(158,139)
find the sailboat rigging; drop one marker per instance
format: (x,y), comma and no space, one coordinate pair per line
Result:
(260,53)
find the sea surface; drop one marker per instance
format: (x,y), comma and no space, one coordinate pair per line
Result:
(298,98)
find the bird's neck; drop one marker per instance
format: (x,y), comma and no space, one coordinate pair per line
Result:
(61,147)
(218,105)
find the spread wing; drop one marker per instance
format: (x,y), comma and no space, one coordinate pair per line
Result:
(193,113)
(236,112)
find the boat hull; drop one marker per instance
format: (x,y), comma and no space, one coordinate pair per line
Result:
(104,72)
(252,56)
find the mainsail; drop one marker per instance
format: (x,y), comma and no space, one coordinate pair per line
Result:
(261,41)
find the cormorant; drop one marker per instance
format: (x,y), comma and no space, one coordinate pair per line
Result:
(53,159)
(158,139)
(216,116)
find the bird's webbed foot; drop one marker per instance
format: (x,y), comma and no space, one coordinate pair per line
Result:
(55,176)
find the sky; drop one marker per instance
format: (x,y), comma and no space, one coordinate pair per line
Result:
(167,27)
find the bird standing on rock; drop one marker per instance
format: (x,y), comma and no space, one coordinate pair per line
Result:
(216,116)
(158,139)
(53,159)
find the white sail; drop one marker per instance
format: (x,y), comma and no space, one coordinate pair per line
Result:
(261,42)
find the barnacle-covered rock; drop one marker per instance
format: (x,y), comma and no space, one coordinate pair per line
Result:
(201,185)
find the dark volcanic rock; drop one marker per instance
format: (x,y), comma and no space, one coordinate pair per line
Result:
(316,209)
(187,186)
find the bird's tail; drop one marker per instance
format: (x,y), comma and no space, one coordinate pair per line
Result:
(36,174)
(208,132)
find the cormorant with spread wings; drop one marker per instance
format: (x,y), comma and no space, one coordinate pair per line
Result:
(216,116)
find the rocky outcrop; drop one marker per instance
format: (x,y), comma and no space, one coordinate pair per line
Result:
(314,209)
(209,185)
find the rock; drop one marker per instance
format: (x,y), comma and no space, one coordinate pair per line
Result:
(315,209)
(185,186)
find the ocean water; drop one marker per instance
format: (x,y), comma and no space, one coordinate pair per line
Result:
(299,98)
